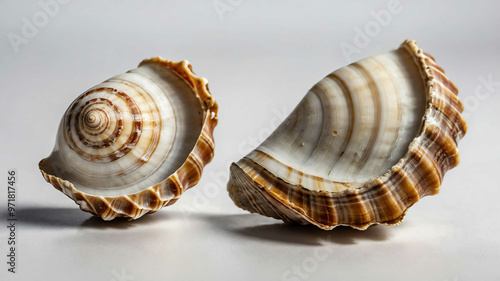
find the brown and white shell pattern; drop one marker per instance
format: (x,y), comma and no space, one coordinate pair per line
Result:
(134,143)
(365,144)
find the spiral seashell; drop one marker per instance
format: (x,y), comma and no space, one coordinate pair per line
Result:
(365,144)
(134,143)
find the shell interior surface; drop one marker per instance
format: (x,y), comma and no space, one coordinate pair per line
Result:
(134,131)
(354,131)
(364,144)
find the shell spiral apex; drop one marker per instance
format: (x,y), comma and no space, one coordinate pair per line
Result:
(134,143)
(365,143)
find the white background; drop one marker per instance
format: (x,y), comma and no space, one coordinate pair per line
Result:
(260,58)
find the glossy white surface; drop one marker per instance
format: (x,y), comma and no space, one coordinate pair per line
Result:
(260,57)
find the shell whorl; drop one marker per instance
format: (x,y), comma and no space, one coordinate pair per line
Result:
(366,143)
(119,123)
(95,122)
(135,142)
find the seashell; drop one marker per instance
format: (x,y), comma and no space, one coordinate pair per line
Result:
(364,144)
(134,143)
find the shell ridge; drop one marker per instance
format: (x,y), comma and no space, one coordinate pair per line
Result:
(375,129)
(352,117)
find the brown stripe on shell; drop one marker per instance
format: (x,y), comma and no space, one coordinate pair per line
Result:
(427,55)
(429,60)
(170,188)
(378,116)
(442,149)
(383,195)
(441,78)
(124,205)
(348,96)
(404,188)
(444,100)
(149,199)
(157,119)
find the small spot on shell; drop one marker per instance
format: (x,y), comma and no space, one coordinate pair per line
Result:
(301,144)
(334,133)
(356,156)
